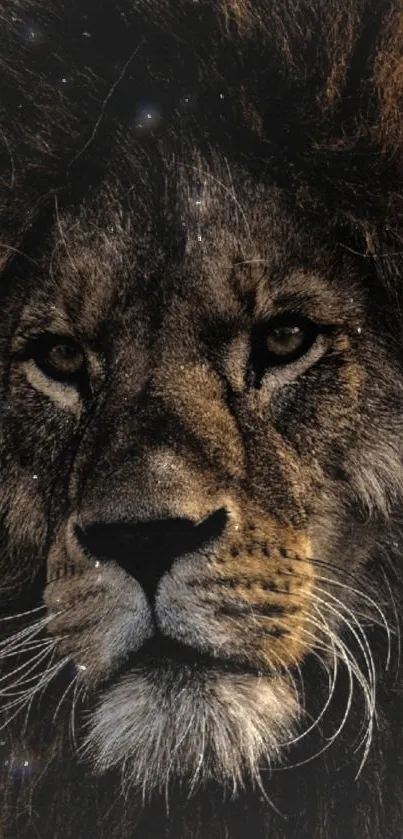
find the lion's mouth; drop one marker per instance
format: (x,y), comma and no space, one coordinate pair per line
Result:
(171,657)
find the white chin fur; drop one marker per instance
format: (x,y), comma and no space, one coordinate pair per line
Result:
(165,725)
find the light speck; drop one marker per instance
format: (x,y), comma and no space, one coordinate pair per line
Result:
(148,116)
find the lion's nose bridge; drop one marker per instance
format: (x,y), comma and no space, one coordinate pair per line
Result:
(169,449)
(146,482)
(160,450)
(166,483)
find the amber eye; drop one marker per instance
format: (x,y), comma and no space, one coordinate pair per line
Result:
(59,357)
(281,341)
(285,341)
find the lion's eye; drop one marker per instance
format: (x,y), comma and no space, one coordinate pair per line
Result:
(59,357)
(65,359)
(285,341)
(281,341)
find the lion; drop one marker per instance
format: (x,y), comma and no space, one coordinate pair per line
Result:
(201,420)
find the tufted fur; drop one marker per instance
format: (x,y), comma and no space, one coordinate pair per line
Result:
(175,176)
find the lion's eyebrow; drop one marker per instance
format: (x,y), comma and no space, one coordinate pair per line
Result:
(312,292)
(296,301)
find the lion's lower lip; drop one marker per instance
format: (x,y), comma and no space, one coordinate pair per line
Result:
(167,654)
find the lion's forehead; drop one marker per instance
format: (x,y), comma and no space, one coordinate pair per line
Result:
(204,252)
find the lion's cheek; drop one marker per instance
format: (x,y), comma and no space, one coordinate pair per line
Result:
(98,618)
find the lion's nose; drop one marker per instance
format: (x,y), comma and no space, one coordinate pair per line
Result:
(147,549)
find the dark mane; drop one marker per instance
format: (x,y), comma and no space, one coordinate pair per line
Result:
(307,93)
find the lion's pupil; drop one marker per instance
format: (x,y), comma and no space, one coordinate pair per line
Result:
(65,358)
(284,340)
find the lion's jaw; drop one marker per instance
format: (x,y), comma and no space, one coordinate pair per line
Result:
(175,722)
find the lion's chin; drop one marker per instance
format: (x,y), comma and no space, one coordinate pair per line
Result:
(172,722)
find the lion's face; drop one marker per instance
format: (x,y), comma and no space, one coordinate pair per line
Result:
(191,399)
